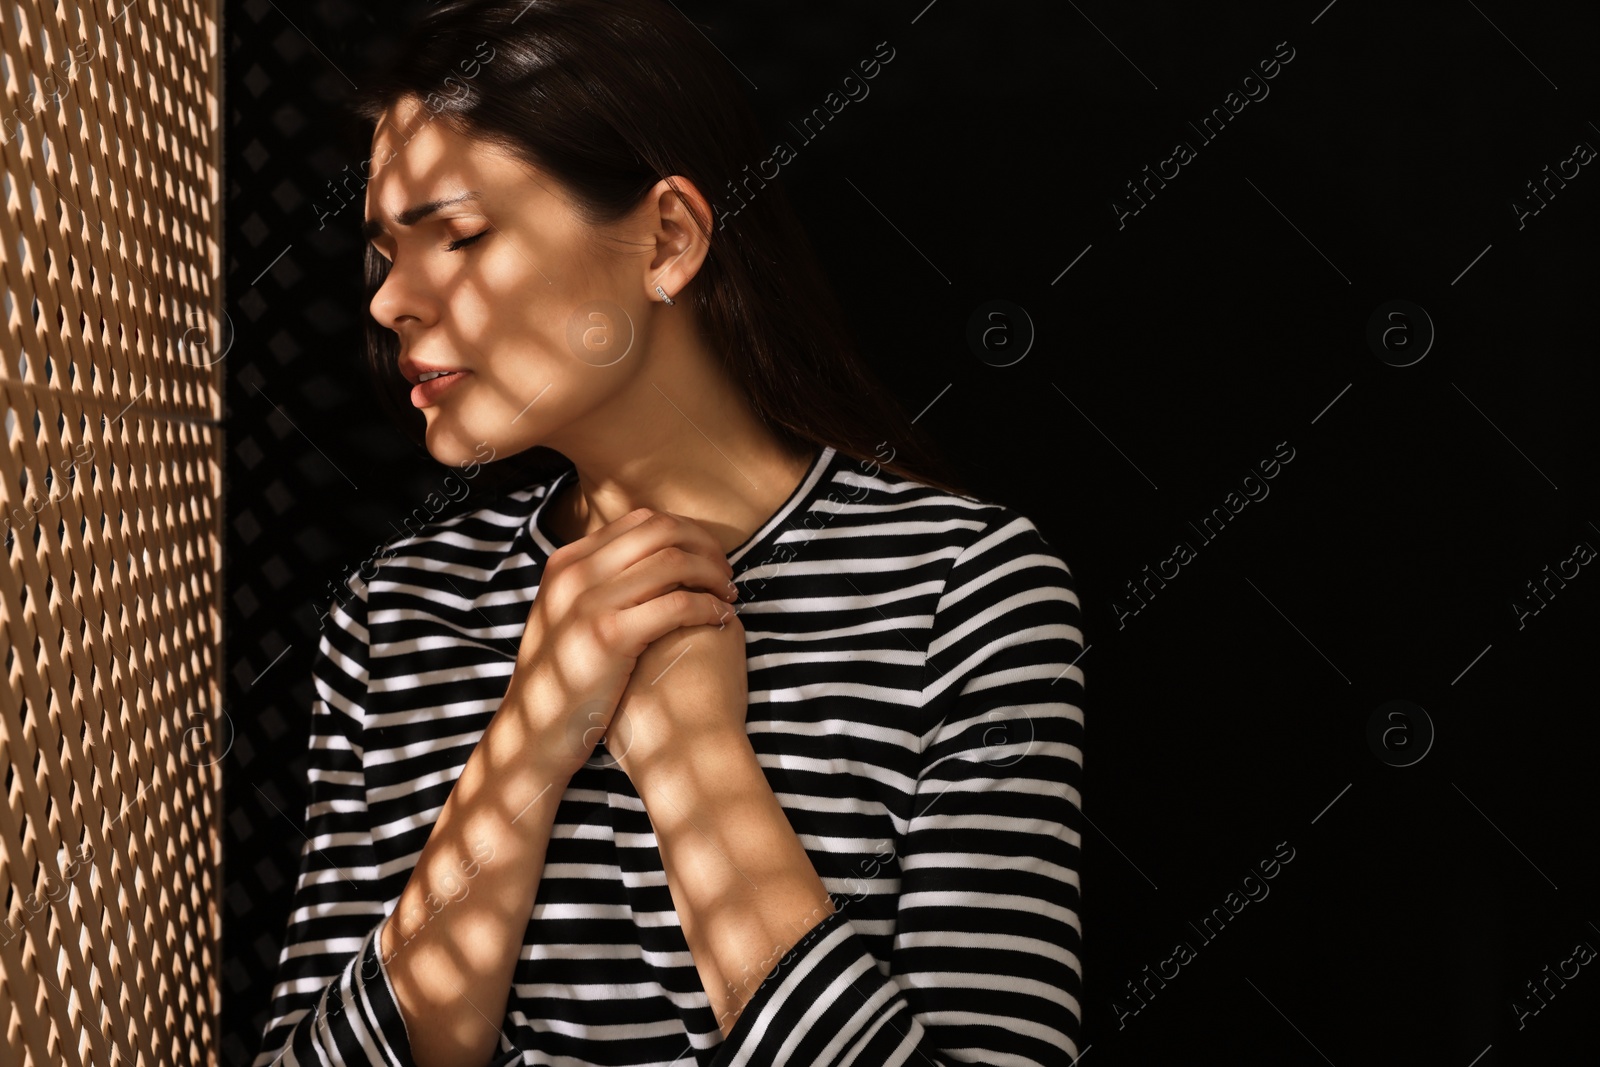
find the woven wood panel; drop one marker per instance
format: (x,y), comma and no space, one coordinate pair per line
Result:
(110,488)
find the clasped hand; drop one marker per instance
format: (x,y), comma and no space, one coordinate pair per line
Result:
(633,637)
(684,705)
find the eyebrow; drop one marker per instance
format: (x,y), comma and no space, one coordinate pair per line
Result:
(372,229)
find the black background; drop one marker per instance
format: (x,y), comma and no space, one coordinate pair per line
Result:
(1231,712)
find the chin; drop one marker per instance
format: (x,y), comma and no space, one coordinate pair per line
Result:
(455,447)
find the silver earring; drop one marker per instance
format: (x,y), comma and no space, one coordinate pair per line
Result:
(665,298)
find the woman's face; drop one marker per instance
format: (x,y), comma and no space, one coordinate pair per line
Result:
(540,317)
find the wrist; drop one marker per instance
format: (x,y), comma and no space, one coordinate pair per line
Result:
(709,770)
(526,744)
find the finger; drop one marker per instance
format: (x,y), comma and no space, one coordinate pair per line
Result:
(666,570)
(658,530)
(638,626)
(586,546)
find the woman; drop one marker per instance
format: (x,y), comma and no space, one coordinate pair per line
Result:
(730,738)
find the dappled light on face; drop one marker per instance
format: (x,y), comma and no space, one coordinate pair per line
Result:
(485,287)
(537,316)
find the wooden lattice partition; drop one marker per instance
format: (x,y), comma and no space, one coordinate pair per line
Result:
(111,724)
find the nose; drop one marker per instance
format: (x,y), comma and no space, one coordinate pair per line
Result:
(398,300)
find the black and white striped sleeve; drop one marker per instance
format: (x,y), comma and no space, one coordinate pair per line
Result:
(986,965)
(332,1003)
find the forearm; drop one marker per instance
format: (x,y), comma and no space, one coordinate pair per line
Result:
(743,886)
(452,944)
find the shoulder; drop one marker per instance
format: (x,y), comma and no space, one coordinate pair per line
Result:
(1003,607)
(451,536)
(964,529)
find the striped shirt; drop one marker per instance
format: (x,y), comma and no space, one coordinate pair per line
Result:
(914,703)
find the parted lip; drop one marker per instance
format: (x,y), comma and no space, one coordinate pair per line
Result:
(411,370)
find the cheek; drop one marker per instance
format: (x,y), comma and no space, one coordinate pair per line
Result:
(550,330)
(599,333)
(530,375)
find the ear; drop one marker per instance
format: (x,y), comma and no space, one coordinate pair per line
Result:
(681,244)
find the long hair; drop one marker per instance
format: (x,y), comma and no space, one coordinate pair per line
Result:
(609,97)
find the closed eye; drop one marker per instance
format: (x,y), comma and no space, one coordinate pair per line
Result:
(464,241)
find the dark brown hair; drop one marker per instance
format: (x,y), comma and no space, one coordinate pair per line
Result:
(609,97)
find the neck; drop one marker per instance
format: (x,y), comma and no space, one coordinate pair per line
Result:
(684,439)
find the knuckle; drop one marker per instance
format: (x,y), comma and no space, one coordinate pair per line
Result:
(557,566)
(604,628)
